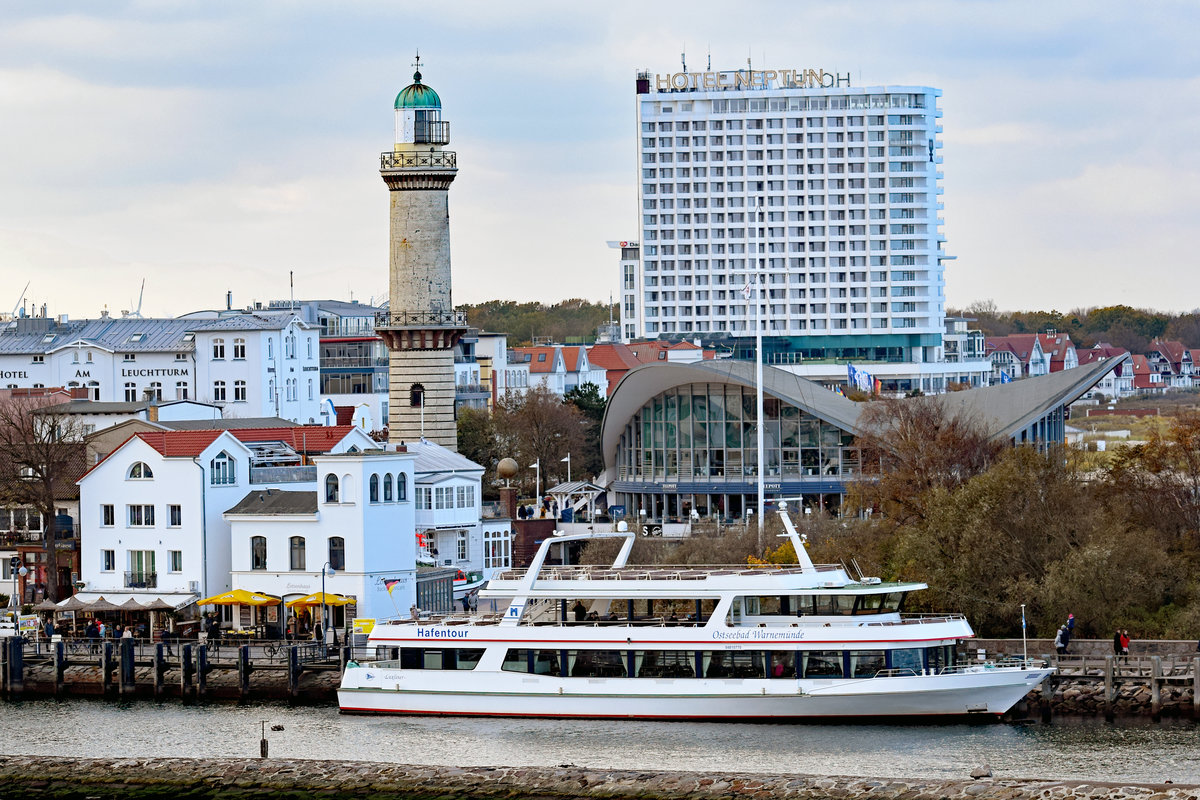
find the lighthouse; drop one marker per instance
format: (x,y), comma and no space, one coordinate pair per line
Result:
(421,326)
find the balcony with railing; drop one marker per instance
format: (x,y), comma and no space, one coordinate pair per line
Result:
(297,474)
(437,159)
(141,580)
(422,319)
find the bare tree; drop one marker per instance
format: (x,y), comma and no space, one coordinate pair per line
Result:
(911,447)
(539,426)
(41,457)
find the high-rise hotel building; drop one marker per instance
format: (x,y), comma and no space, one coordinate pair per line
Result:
(824,196)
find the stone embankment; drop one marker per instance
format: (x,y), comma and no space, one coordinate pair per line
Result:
(1086,698)
(183,779)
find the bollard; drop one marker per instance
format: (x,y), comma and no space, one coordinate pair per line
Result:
(244,670)
(60,666)
(1108,688)
(262,743)
(127,680)
(106,666)
(160,668)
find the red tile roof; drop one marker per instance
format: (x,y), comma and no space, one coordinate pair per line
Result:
(1173,352)
(1057,345)
(536,363)
(1019,344)
(571,357)
(302,438)
(612,356)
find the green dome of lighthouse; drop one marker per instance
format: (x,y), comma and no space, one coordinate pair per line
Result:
(418,95)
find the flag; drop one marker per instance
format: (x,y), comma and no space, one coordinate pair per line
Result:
(1022,617)
(568,458)
(390,584)
(747,291)
(851,375)
(838,390)
(878,386)
(1005,377)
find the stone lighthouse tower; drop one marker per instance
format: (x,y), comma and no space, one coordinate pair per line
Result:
(421,326)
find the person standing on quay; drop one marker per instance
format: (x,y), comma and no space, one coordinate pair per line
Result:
(1125,644)
(1060,640)
(1117,643)
(1070,626)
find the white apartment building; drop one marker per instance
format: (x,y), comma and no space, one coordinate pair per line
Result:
(827,195)
(251,364)
(824,196)
(151,513)
(357,521)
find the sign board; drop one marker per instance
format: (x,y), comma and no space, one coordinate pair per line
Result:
(362,626)
(28,623)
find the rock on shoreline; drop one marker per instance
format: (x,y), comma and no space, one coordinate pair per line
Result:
(182,779)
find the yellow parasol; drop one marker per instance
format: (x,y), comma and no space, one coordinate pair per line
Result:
(318,599)
(239,597)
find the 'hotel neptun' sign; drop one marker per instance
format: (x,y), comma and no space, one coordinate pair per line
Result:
(749,79)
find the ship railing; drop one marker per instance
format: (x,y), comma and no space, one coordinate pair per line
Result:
(581,572)
(921,619)
(896,672)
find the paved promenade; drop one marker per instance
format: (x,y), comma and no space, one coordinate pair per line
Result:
(43,777)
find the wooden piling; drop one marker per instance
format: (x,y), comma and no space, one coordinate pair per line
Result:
(60,666)
(185,672)
(1108,689)
(244,670)
(128,680)
(294,671)
(1155,688)
(106,666)
(1196,688)
(202,668)
(160,669)
(16,665)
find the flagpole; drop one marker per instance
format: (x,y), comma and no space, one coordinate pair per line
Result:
(758,410)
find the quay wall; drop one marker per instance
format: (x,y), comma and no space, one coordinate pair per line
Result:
(48,778)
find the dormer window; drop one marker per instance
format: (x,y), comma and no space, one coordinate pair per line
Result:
(189,337)
(140,472)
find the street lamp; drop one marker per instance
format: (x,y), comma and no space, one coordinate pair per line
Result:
(16,568)
(326,569)
(568,460)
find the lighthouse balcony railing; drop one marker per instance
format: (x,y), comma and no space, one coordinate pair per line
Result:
(443,159)
(422,319)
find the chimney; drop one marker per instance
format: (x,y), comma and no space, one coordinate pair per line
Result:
(152,412)
(229,300)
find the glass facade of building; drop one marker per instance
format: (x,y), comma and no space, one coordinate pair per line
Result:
(693,448)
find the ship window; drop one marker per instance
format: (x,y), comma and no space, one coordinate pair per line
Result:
(908,658)
(821,664)
(866,663)
(440,658)
(664,664)
(539,662)
(782,664)
(832,604)
(939,657)
(596,663)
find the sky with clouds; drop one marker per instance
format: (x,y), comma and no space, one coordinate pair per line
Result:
(213,146)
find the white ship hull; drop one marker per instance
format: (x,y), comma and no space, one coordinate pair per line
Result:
(981,693)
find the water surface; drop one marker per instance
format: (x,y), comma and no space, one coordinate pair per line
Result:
(1086,750)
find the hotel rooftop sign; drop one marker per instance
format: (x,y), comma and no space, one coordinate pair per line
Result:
(748,79)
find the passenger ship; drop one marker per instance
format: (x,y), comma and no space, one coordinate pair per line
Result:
(734,643)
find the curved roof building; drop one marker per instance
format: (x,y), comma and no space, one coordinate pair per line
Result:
(679,440)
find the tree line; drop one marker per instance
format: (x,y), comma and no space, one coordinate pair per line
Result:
(573,320)
(1120,325)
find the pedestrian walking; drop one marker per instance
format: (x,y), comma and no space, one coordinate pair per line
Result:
(1125,645)
(1070,626)
(1117,643)
(1060,646)
(474,600)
